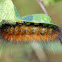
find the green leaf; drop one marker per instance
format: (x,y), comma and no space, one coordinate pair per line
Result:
(7,12)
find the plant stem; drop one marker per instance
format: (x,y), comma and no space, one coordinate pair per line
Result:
(43,7)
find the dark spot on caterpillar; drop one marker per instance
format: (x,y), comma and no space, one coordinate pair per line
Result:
(29,32)
(3,21)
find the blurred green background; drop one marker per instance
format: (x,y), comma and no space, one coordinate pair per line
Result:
(54,8)
(23,52)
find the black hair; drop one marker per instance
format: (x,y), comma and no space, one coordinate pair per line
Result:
(60,35)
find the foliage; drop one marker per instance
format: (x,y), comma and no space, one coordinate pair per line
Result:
(48,2)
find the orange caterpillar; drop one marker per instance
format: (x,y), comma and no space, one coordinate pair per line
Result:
(23,32)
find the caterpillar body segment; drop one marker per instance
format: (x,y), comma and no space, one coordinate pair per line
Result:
(29,32)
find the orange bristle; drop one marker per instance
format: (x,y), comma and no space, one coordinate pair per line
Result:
(30,37)
(29,30)
(16,29)
(22,29)
(29,33)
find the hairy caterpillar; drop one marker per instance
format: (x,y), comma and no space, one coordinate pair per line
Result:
(29,32)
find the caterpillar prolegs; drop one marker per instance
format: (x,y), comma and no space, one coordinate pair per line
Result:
(28,32)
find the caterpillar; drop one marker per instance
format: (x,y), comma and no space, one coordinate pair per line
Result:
(29,32)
